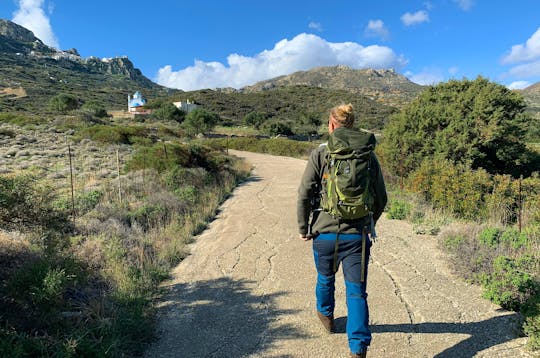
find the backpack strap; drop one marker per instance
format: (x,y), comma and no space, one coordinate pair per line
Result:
(336,248)
(364,243)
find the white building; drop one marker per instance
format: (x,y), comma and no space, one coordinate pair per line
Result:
(136,103)
(187,106)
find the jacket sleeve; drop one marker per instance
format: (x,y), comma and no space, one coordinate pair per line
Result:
(308,190)
(379,189)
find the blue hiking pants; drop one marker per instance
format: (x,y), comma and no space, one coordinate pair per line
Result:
(350,255)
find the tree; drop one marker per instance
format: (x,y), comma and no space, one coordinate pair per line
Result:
(63,103)
(275,128)
(255,119)
(169,112)
(95,109)
(200,121)
(478,123)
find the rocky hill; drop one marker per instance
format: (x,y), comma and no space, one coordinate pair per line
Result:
(532,96)
(384,85)
(32,72)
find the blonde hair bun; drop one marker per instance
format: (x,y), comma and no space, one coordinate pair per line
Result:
(343,114)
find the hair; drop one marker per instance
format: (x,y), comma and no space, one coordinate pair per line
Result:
(343,115)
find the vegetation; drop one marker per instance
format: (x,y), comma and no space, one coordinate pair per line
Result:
(88,291)
(477,123)
(295,104)
(63,103)
(168,112)
(274,146)
(200,121)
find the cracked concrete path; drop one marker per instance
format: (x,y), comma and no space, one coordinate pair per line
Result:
(247,288)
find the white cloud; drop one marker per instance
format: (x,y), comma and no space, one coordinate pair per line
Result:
(31,16)
(518,85)
(428,76)
(376,28)
(526,70)
(303,52)
(315,26)
(465,5)
(529,51)
(418,17)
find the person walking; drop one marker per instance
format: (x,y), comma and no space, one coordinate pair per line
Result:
(340,228)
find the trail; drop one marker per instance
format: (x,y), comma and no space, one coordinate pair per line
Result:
(247,289)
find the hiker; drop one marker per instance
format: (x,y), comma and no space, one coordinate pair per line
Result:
(339,235)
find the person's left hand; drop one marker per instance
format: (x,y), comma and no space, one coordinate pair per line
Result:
(305,237)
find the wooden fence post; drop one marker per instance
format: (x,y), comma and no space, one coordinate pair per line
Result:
(71,182)
(118,174)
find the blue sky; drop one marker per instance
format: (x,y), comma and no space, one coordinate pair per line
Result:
(193,44)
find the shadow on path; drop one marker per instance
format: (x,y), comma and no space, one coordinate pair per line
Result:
(221,318)
(482,335)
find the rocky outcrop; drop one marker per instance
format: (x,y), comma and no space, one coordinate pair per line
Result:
(384,85)
(17,39)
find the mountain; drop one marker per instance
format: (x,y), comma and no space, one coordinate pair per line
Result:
(290,103)
(385,85)
(532,96)
(32,72)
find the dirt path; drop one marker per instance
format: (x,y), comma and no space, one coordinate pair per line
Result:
(247,289)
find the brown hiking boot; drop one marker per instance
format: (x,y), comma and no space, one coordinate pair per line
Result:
(359,355)
(327,322)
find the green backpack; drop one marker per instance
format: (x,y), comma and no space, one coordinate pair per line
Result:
(346,186)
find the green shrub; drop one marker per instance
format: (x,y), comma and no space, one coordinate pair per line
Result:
(510,285)
(275,127)
(454,188)
(96,109)
(478,123)
(274,146)
(63,103)
(490,236)
(452,242)
(19,119)
(168,112)
(531,326)
(84,202)
(188,193)
(399,210)
(514,238)
(25,204)
(114,134)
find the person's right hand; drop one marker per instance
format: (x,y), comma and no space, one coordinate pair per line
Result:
(305,237)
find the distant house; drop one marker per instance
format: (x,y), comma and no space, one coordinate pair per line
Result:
(136,103)
(187,106)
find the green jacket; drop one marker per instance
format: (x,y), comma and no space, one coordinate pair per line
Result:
(308,198)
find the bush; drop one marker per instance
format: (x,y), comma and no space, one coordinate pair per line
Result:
(510,285)
(514,238)
(453,242)
(275,128)
(454,188)
(490,236)
(399,210)
(95,109)
(115,134)
(531,326)
(168,112)
(84,202)
(477,123)
(274,146)
(27,205)
(200,121)
(255,119)
(63,103)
